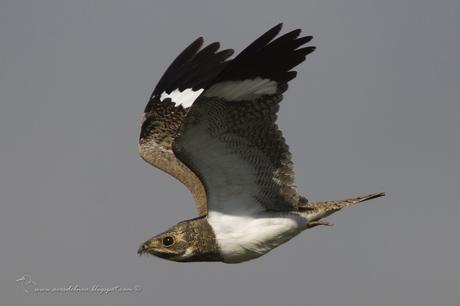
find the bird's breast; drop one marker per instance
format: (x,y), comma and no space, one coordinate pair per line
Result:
(241,238)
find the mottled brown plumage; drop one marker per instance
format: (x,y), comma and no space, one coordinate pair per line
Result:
(159,128)
(193,68)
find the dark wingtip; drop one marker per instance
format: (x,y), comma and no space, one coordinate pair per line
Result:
(193,68)
(278,26)
(275,30)
(199,40)
(270,57)
(225,54)
(194,46)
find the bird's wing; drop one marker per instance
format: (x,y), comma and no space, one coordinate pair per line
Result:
(230,139)
(188,75)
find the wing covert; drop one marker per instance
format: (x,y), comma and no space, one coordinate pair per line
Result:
(230,139)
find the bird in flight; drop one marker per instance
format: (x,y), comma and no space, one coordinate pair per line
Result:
(211,123)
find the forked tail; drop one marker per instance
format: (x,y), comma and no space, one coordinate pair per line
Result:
(316,211)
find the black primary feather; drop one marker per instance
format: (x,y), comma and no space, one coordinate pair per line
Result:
(193,68)
(268,58)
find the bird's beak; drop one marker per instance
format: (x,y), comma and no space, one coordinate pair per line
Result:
(142,249)
(148,247)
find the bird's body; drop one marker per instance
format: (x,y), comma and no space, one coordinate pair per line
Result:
(211,123)
(241,238)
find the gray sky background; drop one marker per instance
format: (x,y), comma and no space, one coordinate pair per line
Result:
(375,108)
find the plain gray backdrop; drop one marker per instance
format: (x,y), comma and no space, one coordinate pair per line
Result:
(374,108)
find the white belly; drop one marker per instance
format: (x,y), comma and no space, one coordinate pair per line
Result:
(242,238)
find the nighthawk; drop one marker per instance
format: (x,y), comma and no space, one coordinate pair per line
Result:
(211,123)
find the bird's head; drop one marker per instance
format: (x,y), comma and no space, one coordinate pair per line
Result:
(191,240)
(172,244)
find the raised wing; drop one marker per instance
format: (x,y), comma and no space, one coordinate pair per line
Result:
(189,74)
(230,139)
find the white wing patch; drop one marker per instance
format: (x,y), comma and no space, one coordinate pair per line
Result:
(242,90)
(184,98)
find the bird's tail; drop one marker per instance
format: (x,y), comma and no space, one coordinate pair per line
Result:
(314,212)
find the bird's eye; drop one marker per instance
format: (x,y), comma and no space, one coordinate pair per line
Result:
(168,241)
